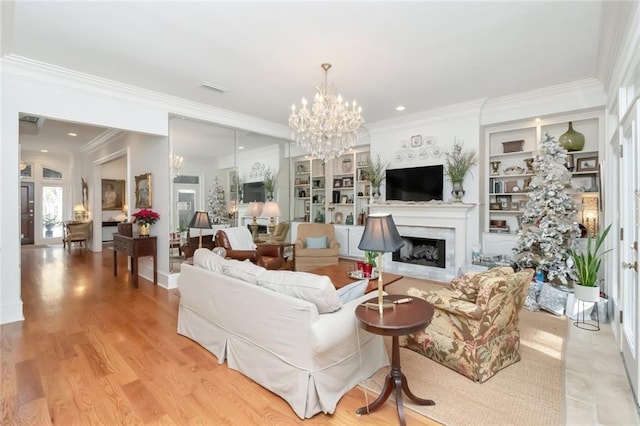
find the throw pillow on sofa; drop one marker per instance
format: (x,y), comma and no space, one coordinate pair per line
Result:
(352,291)
(315,242)
(243,270)
(206,259)
(317,289)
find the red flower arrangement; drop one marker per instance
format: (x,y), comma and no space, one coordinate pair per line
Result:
(146,216)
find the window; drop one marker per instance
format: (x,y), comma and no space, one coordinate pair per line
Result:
(26,170)
(52,211)
(48,173)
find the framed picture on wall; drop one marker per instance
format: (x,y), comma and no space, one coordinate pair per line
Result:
(587,164)
(113,194)
(143,191)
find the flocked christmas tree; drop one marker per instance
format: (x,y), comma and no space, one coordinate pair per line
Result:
(217,204)
(548,227)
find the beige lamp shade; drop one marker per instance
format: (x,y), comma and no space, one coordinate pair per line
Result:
(254,209)
(271,209)
(79,212)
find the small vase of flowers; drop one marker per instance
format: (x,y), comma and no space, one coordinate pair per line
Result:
(457,164)
(145,218)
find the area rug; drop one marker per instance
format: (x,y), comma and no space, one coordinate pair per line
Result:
(529,392)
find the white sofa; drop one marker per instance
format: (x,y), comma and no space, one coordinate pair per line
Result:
(283,343)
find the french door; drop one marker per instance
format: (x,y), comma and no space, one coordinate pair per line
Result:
(27,201)
(629,210)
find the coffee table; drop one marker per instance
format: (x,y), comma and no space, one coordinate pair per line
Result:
(404,319)
(339,276)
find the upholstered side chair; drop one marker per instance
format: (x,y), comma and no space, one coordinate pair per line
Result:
(316,246)
(76,232)
(474,329)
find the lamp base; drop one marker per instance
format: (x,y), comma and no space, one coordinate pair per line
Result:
(386,304)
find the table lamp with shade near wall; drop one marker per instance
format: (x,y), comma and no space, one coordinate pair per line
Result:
(254,210)
(79,213)
(380,236)
(200,220)
(271,210)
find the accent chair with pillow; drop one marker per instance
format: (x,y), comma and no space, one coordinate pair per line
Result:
(238,242)
(316,246)
(474,329)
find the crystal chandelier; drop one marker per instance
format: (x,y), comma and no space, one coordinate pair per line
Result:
(330,127)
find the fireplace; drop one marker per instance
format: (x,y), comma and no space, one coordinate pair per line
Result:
(422,251)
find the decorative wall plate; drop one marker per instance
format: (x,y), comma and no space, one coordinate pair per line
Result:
(423,153)
(398,156)
(416,141)
(429,140)
(404,144)
(409,154)
(436,151)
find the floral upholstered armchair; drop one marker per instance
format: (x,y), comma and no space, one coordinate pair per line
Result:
(474,329)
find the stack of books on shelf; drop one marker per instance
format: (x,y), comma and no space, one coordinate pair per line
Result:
(502,229)
(498,226)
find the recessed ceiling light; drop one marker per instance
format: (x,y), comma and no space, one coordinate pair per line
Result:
(400,108)
(241,147)
(72,134)
(44,150)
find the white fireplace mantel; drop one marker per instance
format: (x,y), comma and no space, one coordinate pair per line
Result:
(432,215)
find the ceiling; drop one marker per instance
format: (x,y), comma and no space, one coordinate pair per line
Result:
(421,55)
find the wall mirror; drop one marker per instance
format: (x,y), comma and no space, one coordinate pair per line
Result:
(221,170)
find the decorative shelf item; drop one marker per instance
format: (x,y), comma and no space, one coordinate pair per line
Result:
(571,140)
(512,146)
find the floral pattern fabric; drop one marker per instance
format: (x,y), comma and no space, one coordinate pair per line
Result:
(474,337)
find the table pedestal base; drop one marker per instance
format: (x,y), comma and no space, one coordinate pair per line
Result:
(398,381)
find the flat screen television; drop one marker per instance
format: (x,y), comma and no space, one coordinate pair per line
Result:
(253,191)
(415,184)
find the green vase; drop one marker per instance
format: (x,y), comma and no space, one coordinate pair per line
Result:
(571,140)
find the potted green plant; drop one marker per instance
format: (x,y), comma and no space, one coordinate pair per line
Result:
(49,221)
(457,164)
(270,183)
(374,172)
(586,266)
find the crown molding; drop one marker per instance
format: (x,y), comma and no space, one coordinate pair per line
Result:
(446,113)
(33,71)
(100,140)
(575,95)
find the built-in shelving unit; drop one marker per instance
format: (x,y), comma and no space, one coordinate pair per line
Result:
(508,170)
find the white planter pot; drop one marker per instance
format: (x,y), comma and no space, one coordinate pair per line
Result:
(588,294)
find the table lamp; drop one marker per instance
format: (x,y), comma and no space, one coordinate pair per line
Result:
(380,236)
(200,220)
(79,212)
(255,209)
(271,210)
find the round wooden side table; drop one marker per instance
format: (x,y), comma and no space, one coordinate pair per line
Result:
(404,319)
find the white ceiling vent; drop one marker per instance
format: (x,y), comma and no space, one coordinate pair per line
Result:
(213,86)
(30,124)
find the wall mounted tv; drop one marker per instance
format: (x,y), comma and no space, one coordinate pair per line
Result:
(253,191)
(415,184)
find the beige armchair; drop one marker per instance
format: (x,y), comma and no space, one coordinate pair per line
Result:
(474,329)
(307,257)
(76,232)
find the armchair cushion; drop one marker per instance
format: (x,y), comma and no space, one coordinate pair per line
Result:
(315,242)
(240,238)
(317,289)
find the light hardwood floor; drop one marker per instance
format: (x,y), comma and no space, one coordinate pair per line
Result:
(94,350)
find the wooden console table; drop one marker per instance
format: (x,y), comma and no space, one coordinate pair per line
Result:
(135,247)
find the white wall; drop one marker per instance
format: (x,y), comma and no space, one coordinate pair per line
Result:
(22,91)
(391,140)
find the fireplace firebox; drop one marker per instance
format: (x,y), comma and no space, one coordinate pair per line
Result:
(422,251)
